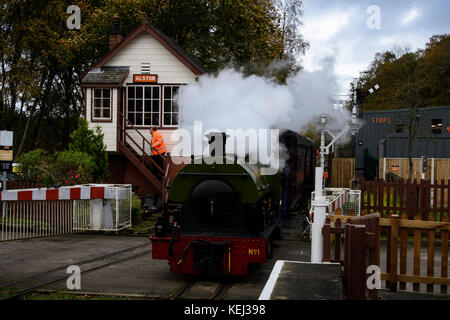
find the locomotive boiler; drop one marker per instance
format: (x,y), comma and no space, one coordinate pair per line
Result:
(221,217)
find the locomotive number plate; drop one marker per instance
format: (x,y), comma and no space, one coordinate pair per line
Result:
(253,252)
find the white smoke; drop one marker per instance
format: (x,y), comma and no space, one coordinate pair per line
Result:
(230,100)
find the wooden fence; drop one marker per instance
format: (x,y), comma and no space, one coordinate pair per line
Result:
(361,250)
(342,172)
(410,200)
(416,210)
(437,168)
(396,255)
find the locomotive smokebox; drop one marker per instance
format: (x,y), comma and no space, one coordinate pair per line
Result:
(217,142)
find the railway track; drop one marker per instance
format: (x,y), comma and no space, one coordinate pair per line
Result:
(192,291)
(46,278)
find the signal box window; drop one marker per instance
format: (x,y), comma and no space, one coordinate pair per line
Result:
(436,126)
(102,104)
(143,105)
(170,111)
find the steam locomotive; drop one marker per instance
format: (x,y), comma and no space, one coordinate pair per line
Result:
(225,216)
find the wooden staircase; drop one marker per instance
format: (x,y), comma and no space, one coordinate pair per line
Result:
(136,154)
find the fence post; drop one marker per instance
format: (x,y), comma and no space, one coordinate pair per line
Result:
(326,230)
(337,242)
(394,252)
(346,254)
(361,197)
(430,254)
(444,254)
(356,284)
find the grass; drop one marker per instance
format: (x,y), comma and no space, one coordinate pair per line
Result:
(145,227)
(61,295)
(15,222)
(7,291)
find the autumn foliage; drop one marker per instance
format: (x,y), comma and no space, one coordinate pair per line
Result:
(409,79)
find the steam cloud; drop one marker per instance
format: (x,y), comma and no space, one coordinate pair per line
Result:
(231,101)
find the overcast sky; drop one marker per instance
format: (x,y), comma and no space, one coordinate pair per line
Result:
(344,30)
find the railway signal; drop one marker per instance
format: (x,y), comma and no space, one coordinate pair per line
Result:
(320,202)
(424,167)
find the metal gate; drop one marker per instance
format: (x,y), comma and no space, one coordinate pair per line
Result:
(29,213)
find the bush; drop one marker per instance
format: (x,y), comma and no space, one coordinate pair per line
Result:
(35,166)
(73,167)
(63,168)
(90,141)
(136,209)
(86,160)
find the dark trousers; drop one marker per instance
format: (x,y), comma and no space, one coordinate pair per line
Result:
(159,160)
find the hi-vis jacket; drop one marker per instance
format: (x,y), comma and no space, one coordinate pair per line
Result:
(158,143)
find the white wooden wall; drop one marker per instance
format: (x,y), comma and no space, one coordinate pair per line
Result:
(144,48)
(109,129)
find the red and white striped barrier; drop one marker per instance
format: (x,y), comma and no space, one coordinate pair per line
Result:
(62,193)
(338,202)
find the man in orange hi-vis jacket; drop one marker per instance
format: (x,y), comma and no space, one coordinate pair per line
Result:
(158,147)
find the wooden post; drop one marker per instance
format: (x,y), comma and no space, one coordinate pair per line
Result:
(326,230)
(444,254)
(417,242)
(346,254)
(337,242)
(403,250)
(394,252)
(430,258)
(380,190)
(357,278)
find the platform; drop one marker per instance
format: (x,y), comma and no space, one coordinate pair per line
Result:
(295,280)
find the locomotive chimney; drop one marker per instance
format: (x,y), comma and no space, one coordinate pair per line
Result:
(217,140)
(115,36)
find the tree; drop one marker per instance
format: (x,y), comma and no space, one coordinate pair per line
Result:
(41,61)
(409,80)
(36,71)
(429,66)
(410,93)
